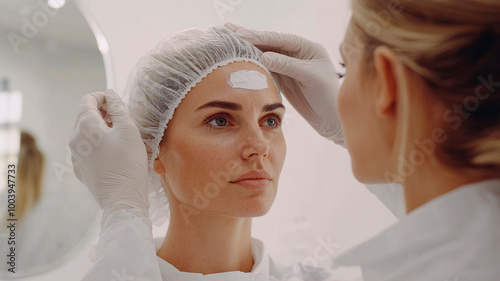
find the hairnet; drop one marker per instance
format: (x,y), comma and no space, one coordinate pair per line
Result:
(163,77)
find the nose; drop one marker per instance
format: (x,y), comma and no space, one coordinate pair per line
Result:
(255,144)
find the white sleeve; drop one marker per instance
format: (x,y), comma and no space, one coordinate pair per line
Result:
(126,250)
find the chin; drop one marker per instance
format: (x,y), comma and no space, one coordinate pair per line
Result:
(254,213)
(259,212)
(361,174)
(368,177)
(255,206)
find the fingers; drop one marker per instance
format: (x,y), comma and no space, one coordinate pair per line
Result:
(232,26)
(115,108)
(285,42)
(91,102)
(97,110)
(88,110)
(285,65)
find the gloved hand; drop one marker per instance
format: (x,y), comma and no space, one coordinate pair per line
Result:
(110,161)
(306,74)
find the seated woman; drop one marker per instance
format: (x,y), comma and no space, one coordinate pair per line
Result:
(210,116)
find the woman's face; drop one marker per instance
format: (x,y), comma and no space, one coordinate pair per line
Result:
(368,138)
(224,149)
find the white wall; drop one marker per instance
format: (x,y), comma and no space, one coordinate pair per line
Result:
(318,196)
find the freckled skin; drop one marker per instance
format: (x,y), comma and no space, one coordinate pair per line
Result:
(194,158)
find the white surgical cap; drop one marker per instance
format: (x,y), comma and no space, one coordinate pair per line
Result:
(163,77)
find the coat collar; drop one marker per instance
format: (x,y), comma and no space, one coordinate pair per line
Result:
(453,237)
(260,270)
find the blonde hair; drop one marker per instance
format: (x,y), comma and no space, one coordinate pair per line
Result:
(29,175)
(455,47)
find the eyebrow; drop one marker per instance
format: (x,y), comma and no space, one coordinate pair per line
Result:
(237,107)
(271,107)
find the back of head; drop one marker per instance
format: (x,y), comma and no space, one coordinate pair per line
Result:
(163,77)
(455,47)
(29,174)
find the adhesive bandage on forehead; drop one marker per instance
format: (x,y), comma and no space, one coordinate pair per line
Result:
(248,79)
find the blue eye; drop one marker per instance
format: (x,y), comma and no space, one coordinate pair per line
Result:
(219,122)
(274,121)
(223,121)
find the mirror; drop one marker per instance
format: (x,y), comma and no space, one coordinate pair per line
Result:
(49,58)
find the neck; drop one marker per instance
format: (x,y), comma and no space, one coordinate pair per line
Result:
(207,243)
(433,180)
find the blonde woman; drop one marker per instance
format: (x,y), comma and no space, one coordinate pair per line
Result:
(419,107)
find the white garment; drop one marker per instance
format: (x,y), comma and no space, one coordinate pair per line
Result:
(127,251)
(392,196)
(264,269)
(454,237)
(260,271)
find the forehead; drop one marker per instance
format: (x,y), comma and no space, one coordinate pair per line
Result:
(216,86)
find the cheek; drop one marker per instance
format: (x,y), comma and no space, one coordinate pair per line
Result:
(341,103)
(361,130)
(278,150)
(351,113)
(345,106)
(190,161)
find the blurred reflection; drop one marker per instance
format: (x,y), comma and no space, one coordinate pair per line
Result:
(29,175)
(48,61)
(28,189)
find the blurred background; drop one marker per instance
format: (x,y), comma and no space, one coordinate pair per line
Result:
(54,52)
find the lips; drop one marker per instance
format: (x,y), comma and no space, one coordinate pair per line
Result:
(253,175)
(254,180)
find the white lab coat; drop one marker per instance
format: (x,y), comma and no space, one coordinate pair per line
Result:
(127,251)
(454,237)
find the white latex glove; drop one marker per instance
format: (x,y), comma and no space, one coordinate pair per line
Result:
(110,161)
(306,74)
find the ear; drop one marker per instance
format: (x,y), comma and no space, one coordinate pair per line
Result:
(388,74)
(158,166)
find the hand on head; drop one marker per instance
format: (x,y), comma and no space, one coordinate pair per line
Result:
(306,74)
(111,161)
